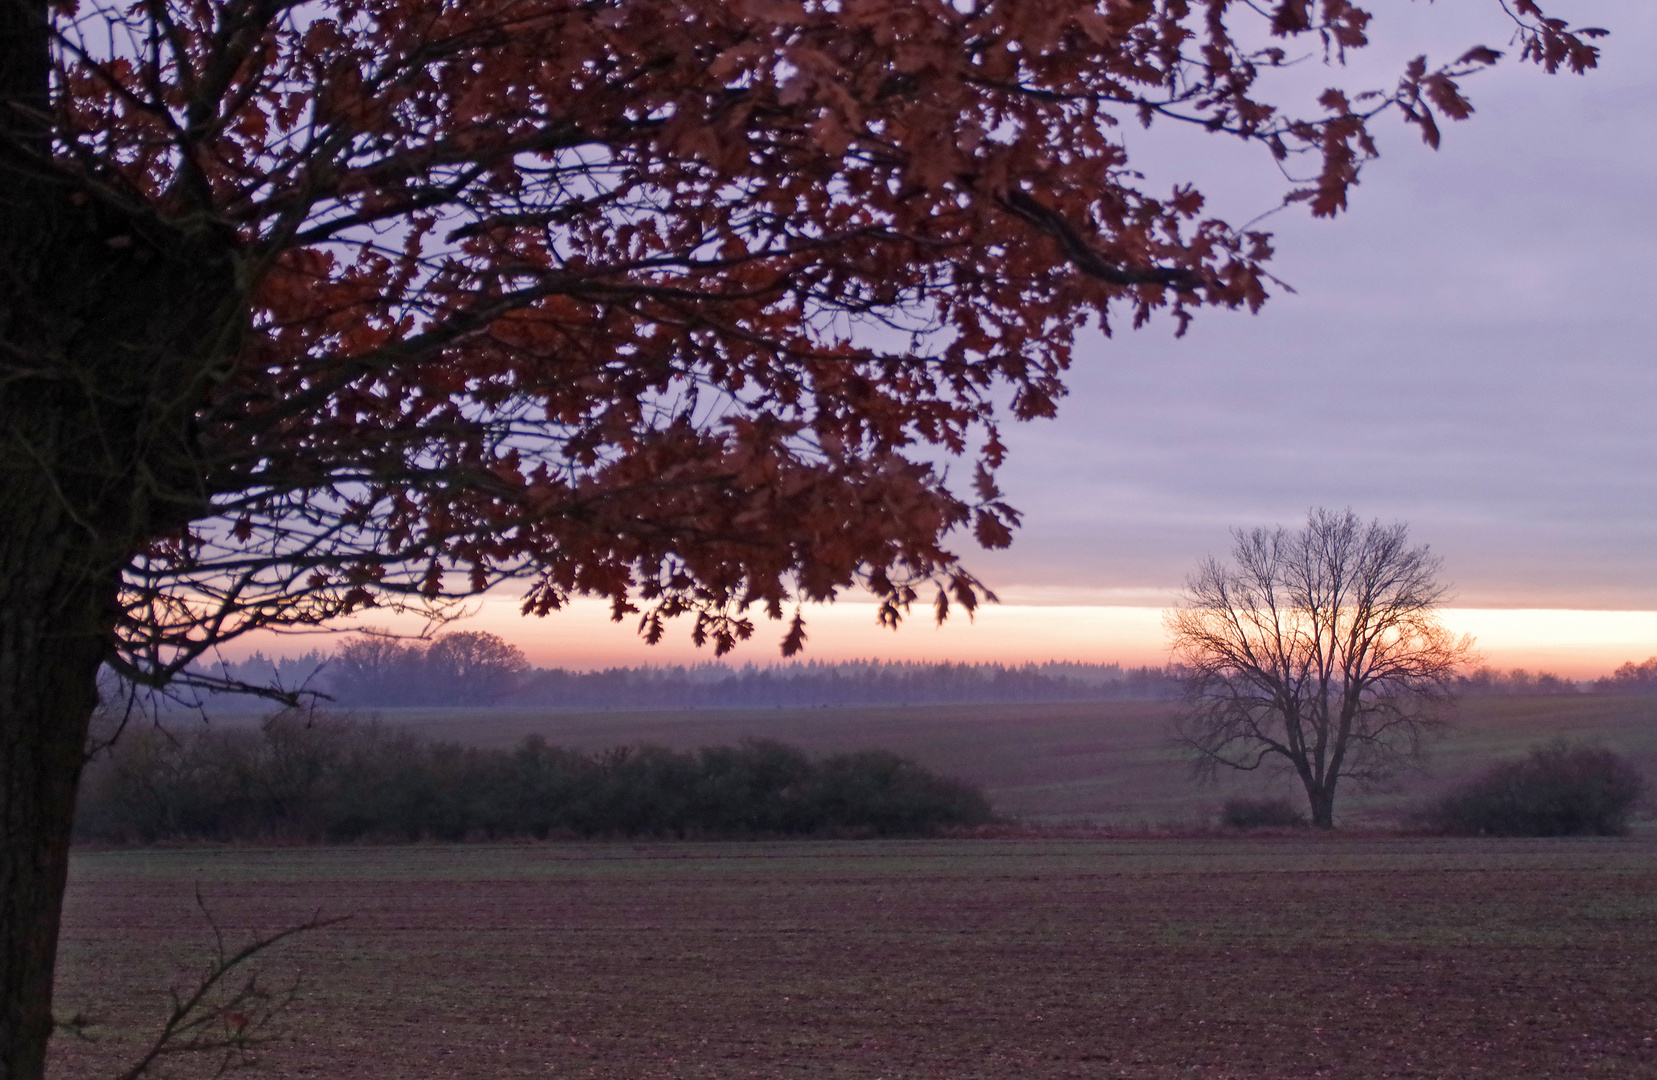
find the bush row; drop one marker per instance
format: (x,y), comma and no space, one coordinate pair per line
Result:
(1558,789)
(294,779)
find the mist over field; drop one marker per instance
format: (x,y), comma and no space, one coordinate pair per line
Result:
(401,673)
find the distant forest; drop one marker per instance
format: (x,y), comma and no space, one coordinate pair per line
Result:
(478,669)
(468,668)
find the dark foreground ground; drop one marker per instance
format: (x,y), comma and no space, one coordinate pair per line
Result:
(1210,957)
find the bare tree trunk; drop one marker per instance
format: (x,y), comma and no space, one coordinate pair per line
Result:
(53,635)
(1322,798)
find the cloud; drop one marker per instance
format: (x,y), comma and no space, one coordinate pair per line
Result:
(1470,350)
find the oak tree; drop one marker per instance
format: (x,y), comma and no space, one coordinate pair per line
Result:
(308,307)
(1319,651)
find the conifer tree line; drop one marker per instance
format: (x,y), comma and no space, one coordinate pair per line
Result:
(475,668)
(300,778)
(472,668)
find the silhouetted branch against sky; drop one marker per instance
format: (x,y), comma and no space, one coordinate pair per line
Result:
(499,258)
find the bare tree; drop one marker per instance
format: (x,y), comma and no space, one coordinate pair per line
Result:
(1318,650)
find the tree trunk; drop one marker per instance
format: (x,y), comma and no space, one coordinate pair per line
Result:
(49,645)
(53,636)
(1322,798)
(115,324)
(79,495)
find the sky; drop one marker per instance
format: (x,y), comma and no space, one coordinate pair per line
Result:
(1469,350)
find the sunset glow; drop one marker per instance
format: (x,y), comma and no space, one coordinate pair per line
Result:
(1576,644)
(1485,381)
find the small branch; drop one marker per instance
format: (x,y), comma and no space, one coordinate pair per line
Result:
(1082,254)
(219,1017)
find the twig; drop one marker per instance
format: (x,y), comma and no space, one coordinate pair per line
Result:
(218,1017)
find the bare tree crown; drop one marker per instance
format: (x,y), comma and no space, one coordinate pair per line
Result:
(1319,649)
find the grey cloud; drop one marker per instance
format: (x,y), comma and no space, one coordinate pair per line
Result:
(1470,350)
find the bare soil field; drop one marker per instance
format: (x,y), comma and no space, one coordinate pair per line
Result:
(1106,763)
(1344,956)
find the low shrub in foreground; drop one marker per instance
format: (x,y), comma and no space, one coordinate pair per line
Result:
(317,780)
(1262,814)
(1558,789)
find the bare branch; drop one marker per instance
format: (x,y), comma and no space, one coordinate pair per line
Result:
(222,1017)
(1319,647)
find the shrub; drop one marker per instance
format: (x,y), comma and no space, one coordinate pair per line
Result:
(298,778)
(1558,789)
(877,791)
(756,787)
(1262,814)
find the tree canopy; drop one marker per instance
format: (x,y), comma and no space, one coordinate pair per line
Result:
(649,299)
(306,307)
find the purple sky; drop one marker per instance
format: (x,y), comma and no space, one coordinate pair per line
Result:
(1470,351)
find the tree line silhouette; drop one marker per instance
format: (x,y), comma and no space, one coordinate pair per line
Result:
(1488,682)
(300,778)
(476,668)
(472,668)
(1631,678)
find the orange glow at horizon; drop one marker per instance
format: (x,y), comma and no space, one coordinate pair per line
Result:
(1574,644)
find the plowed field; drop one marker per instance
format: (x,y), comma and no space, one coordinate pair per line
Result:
(1273,957)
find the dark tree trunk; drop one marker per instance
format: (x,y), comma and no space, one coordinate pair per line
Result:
(115,325)
(50,617)
(1322,798)
(53,636)
(88,477)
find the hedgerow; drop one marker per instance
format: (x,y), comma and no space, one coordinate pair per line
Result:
(299,779)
